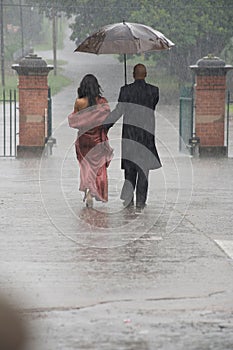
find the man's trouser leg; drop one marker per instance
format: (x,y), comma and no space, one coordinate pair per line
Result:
(142,187)
(127,192)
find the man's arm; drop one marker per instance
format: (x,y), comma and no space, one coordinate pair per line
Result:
(117,112)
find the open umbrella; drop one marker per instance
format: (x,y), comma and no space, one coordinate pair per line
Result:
(125,38)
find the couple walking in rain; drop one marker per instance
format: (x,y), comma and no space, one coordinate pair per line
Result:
(93,119)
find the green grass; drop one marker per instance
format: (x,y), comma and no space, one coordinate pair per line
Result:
(230,110)
(58,82)
(59,62)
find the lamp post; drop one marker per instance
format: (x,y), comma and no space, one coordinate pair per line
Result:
(31,24)
(2,44)
(21,25)
(54,21)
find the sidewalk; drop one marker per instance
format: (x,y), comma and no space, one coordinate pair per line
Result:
(107,278)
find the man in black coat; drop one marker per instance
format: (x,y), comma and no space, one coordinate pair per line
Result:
(137,102)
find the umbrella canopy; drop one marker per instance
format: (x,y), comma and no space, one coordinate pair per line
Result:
(125,38)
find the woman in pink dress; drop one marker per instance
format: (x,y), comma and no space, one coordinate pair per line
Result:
(92,148)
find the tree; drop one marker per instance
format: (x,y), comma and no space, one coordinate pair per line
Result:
(20,27)
(197,27)
(89,15)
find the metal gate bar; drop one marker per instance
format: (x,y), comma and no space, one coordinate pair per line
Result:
(4,123)
(186,118)
(9,124)
(49,126)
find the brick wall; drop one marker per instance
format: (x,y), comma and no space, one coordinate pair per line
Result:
(33,100)
(210,109)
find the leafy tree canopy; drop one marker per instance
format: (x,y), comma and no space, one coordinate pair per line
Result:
(196,27)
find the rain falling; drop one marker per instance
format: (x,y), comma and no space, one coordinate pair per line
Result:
(116,146)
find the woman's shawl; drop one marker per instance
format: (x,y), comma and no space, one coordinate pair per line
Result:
(90,117)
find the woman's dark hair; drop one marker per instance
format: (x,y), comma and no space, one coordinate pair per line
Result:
(90,88)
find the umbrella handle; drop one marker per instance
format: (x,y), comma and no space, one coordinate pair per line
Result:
(125,69)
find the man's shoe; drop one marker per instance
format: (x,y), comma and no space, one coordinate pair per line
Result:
(140,206)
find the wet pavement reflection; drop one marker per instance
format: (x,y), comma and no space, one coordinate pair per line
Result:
(109,278)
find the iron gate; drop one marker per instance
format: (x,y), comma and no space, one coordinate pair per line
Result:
(8,123)
(49,122)
(9,128)
(186,118)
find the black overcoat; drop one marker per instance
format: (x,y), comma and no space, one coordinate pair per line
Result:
(137,102)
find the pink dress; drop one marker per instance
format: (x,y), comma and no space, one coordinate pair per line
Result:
(92,148)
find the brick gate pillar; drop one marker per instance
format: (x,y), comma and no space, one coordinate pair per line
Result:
(33,103)
(210,100)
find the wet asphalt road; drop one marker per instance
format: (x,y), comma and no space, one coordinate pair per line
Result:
(109,278)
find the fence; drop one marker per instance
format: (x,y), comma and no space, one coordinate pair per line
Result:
(8,123)
(186,118)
